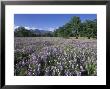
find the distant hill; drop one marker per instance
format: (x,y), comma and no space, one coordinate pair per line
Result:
(23,32)
(35,30)
(40,31)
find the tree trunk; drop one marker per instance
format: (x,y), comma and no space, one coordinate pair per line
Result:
(76,37)
(89,37)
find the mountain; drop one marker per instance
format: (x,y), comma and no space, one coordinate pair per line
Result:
(44,31)
(35,31)
(40,31)
(23,32)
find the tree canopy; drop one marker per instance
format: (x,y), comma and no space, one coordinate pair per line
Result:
(76,28)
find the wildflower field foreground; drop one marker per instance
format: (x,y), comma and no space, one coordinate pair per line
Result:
(55,56)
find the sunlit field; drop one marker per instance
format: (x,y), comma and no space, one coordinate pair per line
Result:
(55,56)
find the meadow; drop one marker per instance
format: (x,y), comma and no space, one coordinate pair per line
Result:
(55,56)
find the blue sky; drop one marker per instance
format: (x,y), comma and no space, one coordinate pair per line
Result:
(47,21)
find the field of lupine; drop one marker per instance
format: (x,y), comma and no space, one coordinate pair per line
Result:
(55,56)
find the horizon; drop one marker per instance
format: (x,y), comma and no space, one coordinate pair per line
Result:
(47,22)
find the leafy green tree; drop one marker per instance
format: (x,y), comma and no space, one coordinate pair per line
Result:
(91,28)
(75,22)
(22,32)
(76,28)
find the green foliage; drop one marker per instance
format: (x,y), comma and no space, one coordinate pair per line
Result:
(23,71)
(76,28)
(68,48)
(22,32)
(91,67)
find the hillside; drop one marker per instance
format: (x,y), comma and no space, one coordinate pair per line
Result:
(23,32)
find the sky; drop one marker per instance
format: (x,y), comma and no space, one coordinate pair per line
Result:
(47,21)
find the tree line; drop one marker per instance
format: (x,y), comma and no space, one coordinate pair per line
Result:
(74,28)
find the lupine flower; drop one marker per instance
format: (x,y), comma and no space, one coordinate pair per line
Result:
(55,57)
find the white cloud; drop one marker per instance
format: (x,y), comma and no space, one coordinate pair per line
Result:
(16,27)
(26,27)
(51,29)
